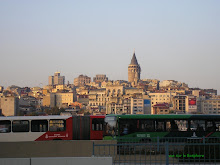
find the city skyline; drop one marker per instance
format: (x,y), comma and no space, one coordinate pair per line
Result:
(40,38)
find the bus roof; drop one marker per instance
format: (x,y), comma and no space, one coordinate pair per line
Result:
(34,117)
(168,116)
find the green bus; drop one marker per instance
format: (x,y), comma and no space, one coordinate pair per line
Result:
(146,127)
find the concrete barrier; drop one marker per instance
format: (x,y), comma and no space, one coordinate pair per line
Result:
(74,148)
(72,161)
(15,161)
(57,161)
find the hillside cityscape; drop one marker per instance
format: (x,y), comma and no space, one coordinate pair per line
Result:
(103,96)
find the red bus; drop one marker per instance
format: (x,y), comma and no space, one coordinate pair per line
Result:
(41,128)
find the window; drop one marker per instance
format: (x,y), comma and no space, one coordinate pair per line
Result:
(5,126)
(39,126)
(146,125)
(20,126)
(97,124)
(57,125)
(210,126)
(127,126)
(217,124)
(160,126)
(197,125)
(182,125)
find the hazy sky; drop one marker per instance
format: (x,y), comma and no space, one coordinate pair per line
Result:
(173,40)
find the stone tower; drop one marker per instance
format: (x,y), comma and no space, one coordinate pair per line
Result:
(134,70)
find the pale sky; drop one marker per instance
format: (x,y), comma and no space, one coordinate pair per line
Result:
(173,40)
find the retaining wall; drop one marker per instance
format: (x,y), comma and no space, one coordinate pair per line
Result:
(75,148)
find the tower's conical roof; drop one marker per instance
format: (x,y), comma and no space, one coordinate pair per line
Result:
(134,60)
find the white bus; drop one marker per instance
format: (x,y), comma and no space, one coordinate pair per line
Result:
(35,128)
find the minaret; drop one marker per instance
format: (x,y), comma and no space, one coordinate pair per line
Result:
(134,70)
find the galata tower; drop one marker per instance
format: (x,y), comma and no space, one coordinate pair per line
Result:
(134,70)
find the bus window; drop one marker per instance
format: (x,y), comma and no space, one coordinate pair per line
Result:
(177,125)
(5,126)
(128,126)
(210,126)
(182,125)
(160,126)
(146,126)
(97,124)
(168,125)
(197,125)
(57,125)
(97,127)
(124,129)
(217,125)
(20,126)
(39,126)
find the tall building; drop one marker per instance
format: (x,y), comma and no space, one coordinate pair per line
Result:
(210,106)
(56,79)
(180,103)
(59,99)
(9,105)
(161,98)
(82,80)
(134,70)
(1,89)
(100,78)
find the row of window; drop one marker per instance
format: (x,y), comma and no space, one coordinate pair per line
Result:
(162,95)
(160,99)
(211,105)
(212,102)
(132,126)
(101,104)
(214,109)
(33,126)
(138,104)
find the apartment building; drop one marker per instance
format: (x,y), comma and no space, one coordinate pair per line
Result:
(82,80)
(117,99)
(137,105)
(60,100)
(210,106)
(162,108)
(56,79)
(161,97)
(180,103)
(1,89)
(9,105)
(100,78)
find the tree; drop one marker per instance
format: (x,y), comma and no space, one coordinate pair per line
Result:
(54,111)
